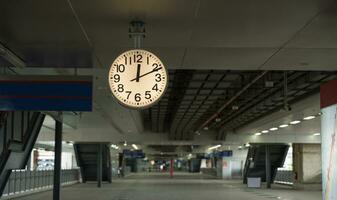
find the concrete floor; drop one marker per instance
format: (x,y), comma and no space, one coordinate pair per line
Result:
(182,187)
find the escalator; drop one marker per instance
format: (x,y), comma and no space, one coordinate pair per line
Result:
(18,133)
(87,156)
(256,160)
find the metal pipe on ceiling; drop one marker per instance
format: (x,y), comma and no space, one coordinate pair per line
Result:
(11,57)
(217,113)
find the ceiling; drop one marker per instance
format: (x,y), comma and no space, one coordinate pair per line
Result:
(213,50)
(205,99)
(225,35)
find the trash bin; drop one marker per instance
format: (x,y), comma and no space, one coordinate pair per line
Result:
(254,182)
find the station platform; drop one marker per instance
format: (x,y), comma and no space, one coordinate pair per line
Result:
(156,186)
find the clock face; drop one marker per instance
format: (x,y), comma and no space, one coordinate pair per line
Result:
(137,78)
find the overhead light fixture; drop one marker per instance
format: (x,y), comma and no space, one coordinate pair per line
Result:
(218,119)
(265,131)
(239,147)
(283,125)
(247,145)
(125,144)
(273,129)
(114,146)
(309,117)
(206,128)
(258,133)
(214,147)
(134,146)
(235,107)
(295,122)
(317,134)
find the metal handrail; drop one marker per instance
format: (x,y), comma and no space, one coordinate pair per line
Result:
(24,181)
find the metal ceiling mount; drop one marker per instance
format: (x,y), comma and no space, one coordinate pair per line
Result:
(286,105)
(137,32)
(11,57)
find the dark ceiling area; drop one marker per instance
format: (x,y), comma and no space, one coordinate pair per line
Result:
(226,100)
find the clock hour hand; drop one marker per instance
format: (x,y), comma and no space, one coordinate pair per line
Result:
(138,73)
(154,70)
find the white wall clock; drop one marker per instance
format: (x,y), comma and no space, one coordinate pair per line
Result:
(138,78)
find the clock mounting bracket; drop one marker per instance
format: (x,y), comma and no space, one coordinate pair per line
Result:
(137,32)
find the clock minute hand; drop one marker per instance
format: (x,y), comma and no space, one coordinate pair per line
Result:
(154,70)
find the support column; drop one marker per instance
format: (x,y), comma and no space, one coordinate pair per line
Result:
(268,167)
(99,166)
(57,160)
(305,155)
(328,99)
(329,152)
(171,168)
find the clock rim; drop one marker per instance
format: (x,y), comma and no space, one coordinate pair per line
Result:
(140,107)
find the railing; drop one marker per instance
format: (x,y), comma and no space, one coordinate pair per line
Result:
(23,181)
(284,177)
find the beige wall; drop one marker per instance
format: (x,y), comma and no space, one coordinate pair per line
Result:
(307,163)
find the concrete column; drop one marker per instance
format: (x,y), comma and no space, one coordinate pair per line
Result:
(329,152)
(307,166)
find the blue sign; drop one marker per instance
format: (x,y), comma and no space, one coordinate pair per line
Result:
(46,93)
(133,154)
(219,154)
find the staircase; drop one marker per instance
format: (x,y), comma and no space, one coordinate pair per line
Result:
(18,133)
(256,160)
(87,160)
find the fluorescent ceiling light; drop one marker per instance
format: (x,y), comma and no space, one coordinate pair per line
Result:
(283,125)
(134,146)
(265,131)
(258,133)
(309,117)
(317,134)
(239,147)
(247,145)
(273,129)
(114,146)
(214,147)
(295,122)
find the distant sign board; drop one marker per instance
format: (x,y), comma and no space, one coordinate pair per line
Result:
(133,154)
(219,154)
(46,93)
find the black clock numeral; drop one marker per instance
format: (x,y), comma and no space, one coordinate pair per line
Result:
(120,68)
(155,87)
(147,60)
(139,58)
(137,97)
(120,88)
(129,92)
(125,60)
(117,78)
(156,66)
(148,95)
(158,78)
